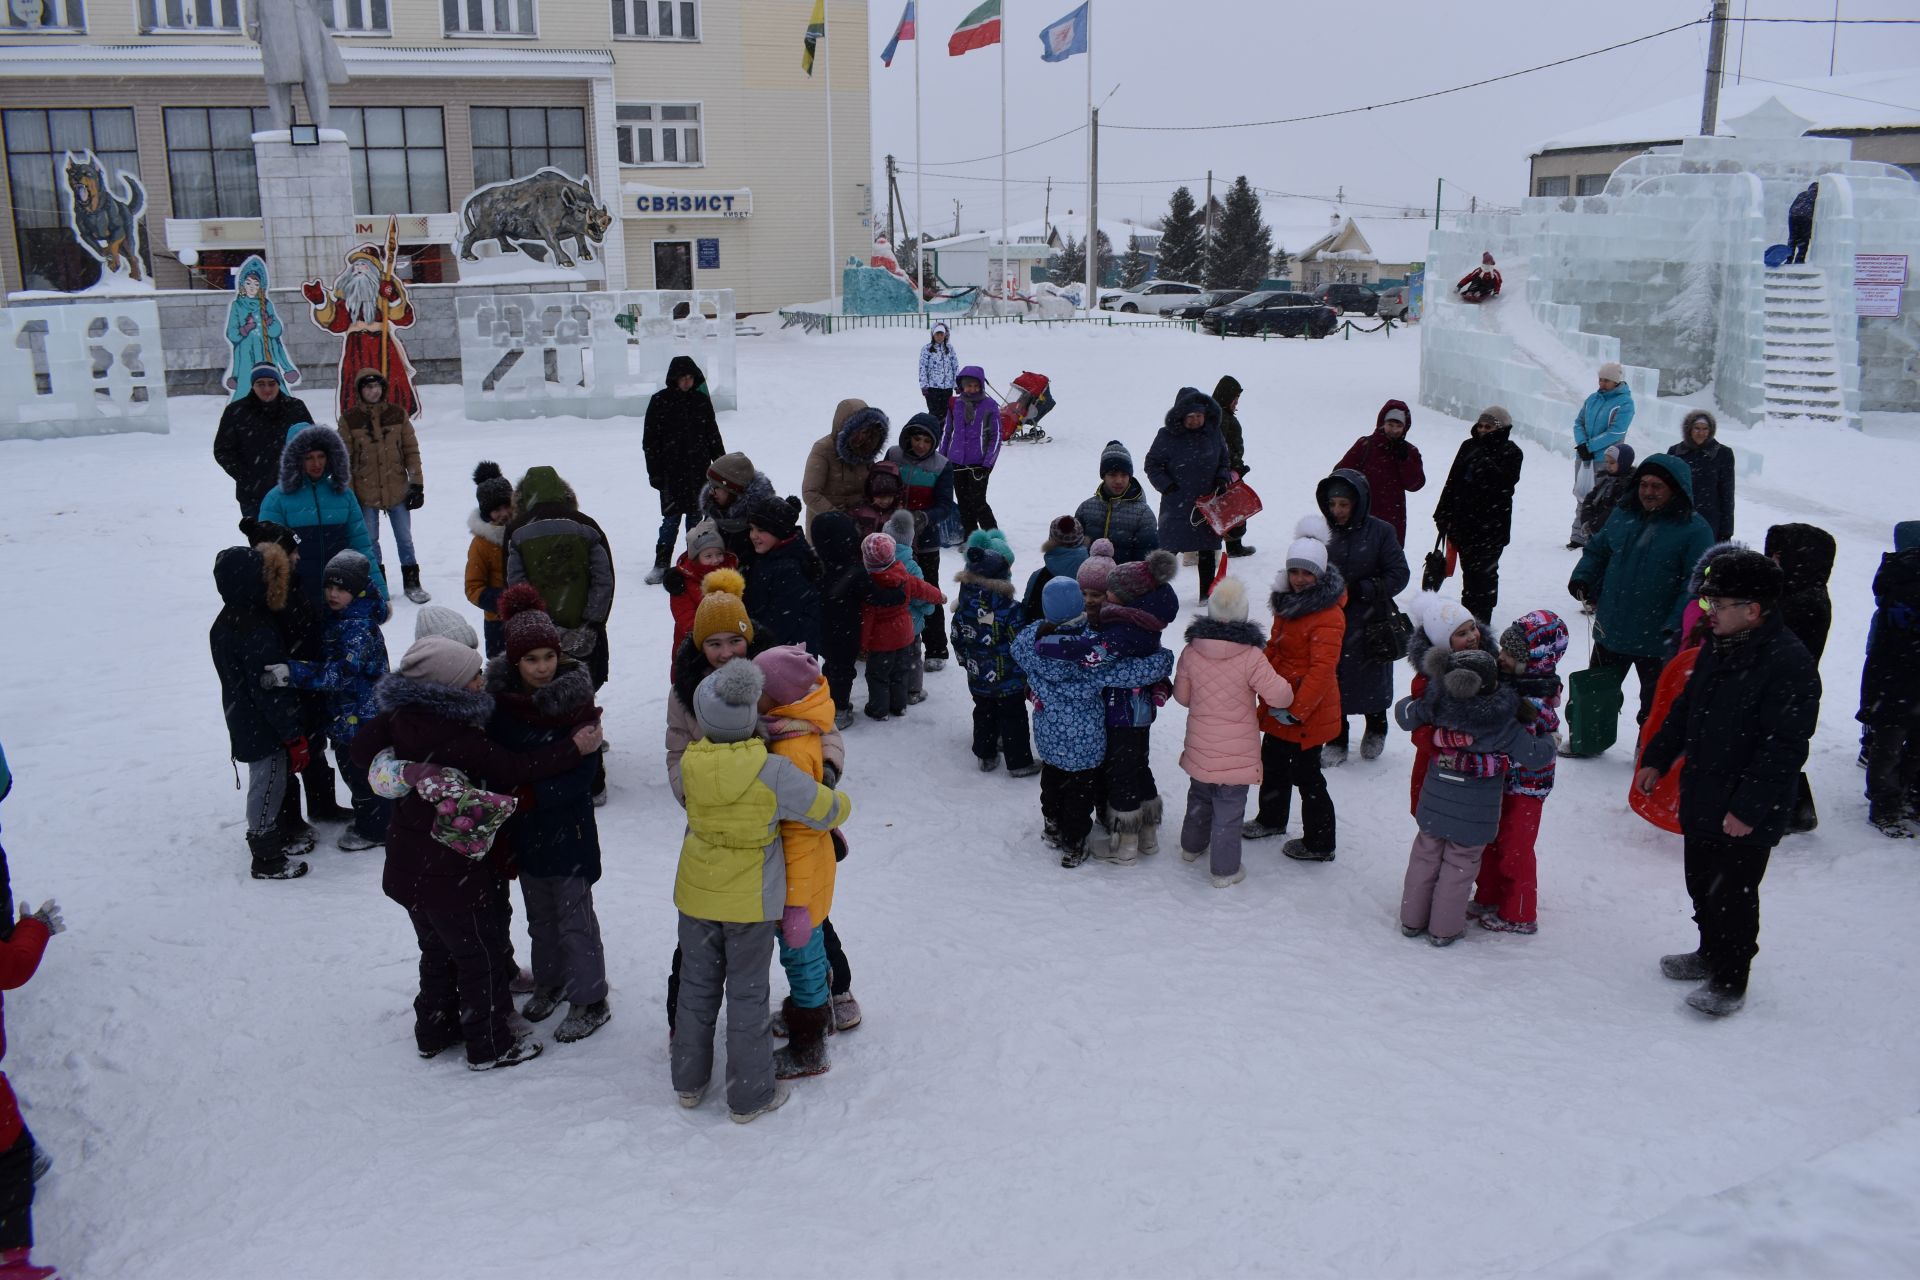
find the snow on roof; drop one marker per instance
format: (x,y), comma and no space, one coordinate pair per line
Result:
(1861,100)
(1034,232)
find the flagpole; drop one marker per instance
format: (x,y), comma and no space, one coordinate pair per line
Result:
(1003,145)
(1093,232)
(919,201)
(833,255)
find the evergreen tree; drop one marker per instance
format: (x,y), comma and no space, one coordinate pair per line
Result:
(1282,263)
(1133,267)
(1180,247)
(1069,263)
(1103,261)
(1242,246)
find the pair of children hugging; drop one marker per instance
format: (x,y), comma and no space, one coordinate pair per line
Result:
(1483,716)
(1095,693)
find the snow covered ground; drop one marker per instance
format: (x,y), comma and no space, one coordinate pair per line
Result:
(1102,1072)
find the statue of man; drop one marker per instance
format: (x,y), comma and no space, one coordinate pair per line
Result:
(295,48)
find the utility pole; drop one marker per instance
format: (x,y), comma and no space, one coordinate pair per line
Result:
(956,215)
(1046,212)
(1716,56)
(891,243)
(1206,233)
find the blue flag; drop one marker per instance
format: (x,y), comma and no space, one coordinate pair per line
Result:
(1066,37)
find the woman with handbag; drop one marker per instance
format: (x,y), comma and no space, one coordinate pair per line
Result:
(1369,557)
(1475,512)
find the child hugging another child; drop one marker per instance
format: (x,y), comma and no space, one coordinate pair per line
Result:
(1069,712)
(1508,893)
(541,696)
(986,618)
(685,581)
(1479,735)
(843,596)
(1438,623)
(1137,605)
(886,626)
(353,661)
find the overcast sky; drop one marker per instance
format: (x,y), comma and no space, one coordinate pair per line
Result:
(1192,62)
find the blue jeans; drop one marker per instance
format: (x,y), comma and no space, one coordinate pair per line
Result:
(807,970)
(402,521)
(670,529)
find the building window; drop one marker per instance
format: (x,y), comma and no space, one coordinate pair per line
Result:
(358,17)
(399,158)
(1551,186)
(658,133)
(38,143)
(210,160)
(656,19)
(489,17)
(63,16)
(512,142)
(159,16)
(1590,184)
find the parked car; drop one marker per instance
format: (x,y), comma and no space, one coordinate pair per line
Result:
(1203,302)
(1394,302)
(1155,297)
(1348,297)
(1275,311)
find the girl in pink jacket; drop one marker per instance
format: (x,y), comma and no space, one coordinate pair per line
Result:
(1222,678)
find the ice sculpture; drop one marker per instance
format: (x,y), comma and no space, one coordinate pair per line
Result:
(82,369)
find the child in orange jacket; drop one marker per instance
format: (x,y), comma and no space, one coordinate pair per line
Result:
(886,625)
(686,580)
(21,946)
(487,553)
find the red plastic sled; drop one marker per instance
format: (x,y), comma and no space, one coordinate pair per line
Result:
(1232,506)
(1662,806)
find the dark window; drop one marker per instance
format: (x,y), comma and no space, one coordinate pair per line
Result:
(210,165)
(190,15)
(356,17)
(488,17)
(656,19)
(1552,186)
(1590,184)
(65,16)
(37,146)
(399,158)
(512,142)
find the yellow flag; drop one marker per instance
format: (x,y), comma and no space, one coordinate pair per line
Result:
(816,32)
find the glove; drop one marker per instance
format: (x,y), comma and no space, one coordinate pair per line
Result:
(489,600)
(1398,448)
(416,497)
(839,844)
(274,675)
(795,927)
(674,580)
(297,756)
(48,914)
(313,291)
(1583,453)
(829,775)
(1285,716)
(1578,590)
(577,641)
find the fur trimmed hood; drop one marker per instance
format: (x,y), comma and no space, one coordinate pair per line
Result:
(463,706)
(1190,400)
(1481,715)
(758,490)
(569,692)
(487,529)
(998,586)
(1324,594)
(1232,632)
(304,441)
(276,568)
(856,421)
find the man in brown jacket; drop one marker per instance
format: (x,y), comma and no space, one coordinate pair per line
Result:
(385,458)
(837,466)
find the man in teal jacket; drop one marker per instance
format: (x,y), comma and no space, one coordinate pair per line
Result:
(1601,423)
(1636,570)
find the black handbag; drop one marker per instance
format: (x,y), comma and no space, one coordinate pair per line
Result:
(1386,640)
(1435,570)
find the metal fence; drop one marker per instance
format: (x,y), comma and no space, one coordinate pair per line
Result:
(821,322)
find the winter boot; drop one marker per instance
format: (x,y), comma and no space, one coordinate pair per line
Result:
(1123,846)
(523,1049)
(846,1012)
(1024,771)
(1072,855)
(410,583)
(1237,549)
(582,1020)
(1333,755)
(988,763)
(691,1098)
(662,557)
(1498,923)
(1372,743)
(1227,882)
(270,862)
(1258,830)
(540,1006)
(805,1053)
(1892,827)
(1149,831)
(934,664)
(15,1264)
(521,984)
(1686,966)
(296,837)
(781,1092)
(1050,833)
(317,781)
(1209,561)
(1715,999)
(1192,855)
(1298,851)
(351,841)
(1481,910)
(1438,941)
(1412,930)
(843,718)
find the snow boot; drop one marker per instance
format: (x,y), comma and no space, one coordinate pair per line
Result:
(781,1092)
(846,1012)
(934,664)
(1372,743)
(1258,830)
(1209,561)
(1193,855)
(1333,755)
(1478,910)
(1412,930)
(352,841)
(521,984)
(1227,882)
(777,1024)
(1122,849)
(1893,828)
(16,1264)
(1237,549)
(1149,840)
(1298,851)
(540,1006)
(662,557)
(805,1053)
(270,862)
(582,1020)
(317,781)
(1438,941)
(1497,923)
(1024,771)
(410,583)
(843,719)
(1715,999)
(296,837)
(1072,855)
(523,1049)
(1151,811)
(692,1098)
(1050,834)
(988,763)
(917,697)
(1686,966)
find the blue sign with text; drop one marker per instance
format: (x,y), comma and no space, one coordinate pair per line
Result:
(708,253)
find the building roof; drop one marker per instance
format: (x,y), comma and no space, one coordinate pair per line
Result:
(1035,231)
(1862,100)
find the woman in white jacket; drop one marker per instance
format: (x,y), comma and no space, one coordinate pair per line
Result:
(938,368)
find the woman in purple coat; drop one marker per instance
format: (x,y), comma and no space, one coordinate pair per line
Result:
(971,441)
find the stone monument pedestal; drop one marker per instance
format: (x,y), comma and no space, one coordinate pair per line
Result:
(306,205)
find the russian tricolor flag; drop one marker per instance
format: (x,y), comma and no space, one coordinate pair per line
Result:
(902,32)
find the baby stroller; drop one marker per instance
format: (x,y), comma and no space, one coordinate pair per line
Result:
(1020,414)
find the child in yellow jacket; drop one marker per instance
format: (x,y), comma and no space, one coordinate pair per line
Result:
(796,718)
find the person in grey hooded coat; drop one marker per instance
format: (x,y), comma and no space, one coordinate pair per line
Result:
(1189,460)
(1370,558)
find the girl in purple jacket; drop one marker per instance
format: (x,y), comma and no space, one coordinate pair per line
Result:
(971,441)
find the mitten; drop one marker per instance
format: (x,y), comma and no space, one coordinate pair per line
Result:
(1160,692)
(1285,716)
(313,291)
(48,914)
(674,580)
(490,600)
(829,775)
(1451,739)
(1583,453)
(274,675)
(297,756)
(795,927)
(577,641)
(839,844)
(416,497)
(1578,590)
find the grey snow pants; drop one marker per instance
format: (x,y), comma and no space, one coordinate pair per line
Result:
(1215,811)
(717,957)
(566,936)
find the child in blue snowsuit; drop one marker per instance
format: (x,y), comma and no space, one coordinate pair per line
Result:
(986,617)
(353,660)
(1069,712)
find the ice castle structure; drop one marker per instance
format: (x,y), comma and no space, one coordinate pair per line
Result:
(1665,271)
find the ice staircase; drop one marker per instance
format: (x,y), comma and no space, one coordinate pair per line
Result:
(1802,359)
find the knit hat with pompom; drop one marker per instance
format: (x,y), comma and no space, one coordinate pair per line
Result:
(1437,616)
(876,552)
(523,615)
(1228,602)
(721,609)
(1097,567)
(1470,673)
(1130,581)
(727,703)
(491,490)
(1309,548)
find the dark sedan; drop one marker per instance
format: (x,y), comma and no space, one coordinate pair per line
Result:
(1275,311)
(1206,302)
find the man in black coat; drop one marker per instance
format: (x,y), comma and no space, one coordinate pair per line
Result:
(1475,511)
(1805,554)
(1890,687)
(681,438)
(253,430)
(1743,721)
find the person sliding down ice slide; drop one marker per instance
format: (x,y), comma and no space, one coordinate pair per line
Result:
(1481,283)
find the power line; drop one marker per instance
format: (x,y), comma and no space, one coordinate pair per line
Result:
(1830,93)
(995,155)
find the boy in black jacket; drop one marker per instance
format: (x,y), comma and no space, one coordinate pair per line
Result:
(1890,688)
(1805,554)
(262,711)
(844,589)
